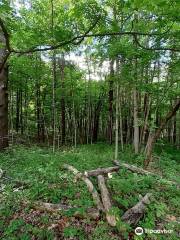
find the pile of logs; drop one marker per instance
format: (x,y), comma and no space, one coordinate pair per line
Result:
(103,202)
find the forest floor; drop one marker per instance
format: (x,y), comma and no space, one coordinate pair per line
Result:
(36,174)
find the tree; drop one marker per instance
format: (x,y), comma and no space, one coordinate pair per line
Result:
(109,29)
(153,137)
(4,44)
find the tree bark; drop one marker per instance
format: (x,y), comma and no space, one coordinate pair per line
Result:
(136,127)
(100,171)
(3,94)
(110,123)
(96,119)
(17,110)
(133,168)
(134,214)
(117,123)
(54,99)
(121,121)
(1,173)
(153,137)
(142,171)
(63,115)
(147,106)
(111,219)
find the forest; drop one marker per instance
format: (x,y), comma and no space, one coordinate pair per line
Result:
(89,119)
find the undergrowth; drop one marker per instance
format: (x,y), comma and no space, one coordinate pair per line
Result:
(44,180)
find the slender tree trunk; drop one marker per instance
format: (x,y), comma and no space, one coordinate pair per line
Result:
(21,111)
(117,111)
(53,79)
(121,121)
(147,106)
(26,106)
(178,130)
(38,110)
(136,127)
(96,119)
(110,123)
(173,130)
(153,137)
(3,95)
(63,113)
(17,110)
(11,107)
(54,101)
(75,126)
(117,122)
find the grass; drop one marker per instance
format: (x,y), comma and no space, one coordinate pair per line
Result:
(46,181)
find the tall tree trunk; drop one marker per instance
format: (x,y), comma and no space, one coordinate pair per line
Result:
(121,121)
(136,127)
(117,112)
(153,137)
(21,111)
(63,113)
(147,106)
(17,110)
(96,118)
(53,79)
(38,110)
(54,100)
(110,123)
(3,95)
(178,130)
(117,122)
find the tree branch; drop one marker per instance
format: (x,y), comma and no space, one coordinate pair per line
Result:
(154,48)
(106,34)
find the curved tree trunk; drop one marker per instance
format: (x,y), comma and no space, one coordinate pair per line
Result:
(153,137)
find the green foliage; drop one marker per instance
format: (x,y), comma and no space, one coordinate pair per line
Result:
(70,232)
(47,181)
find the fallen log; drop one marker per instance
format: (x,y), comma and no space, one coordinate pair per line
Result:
(50,206)
(141,171)
(92,213)
(134,214)
(1,173)
(133,168)
(101,171)
(111,219)
(89,185)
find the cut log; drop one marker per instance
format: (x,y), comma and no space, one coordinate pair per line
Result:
(92,213)
(1,173)
(88,183)
(101,171)
(111,219)
(50,206)
(134,214)
(141,171)
(133,168)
